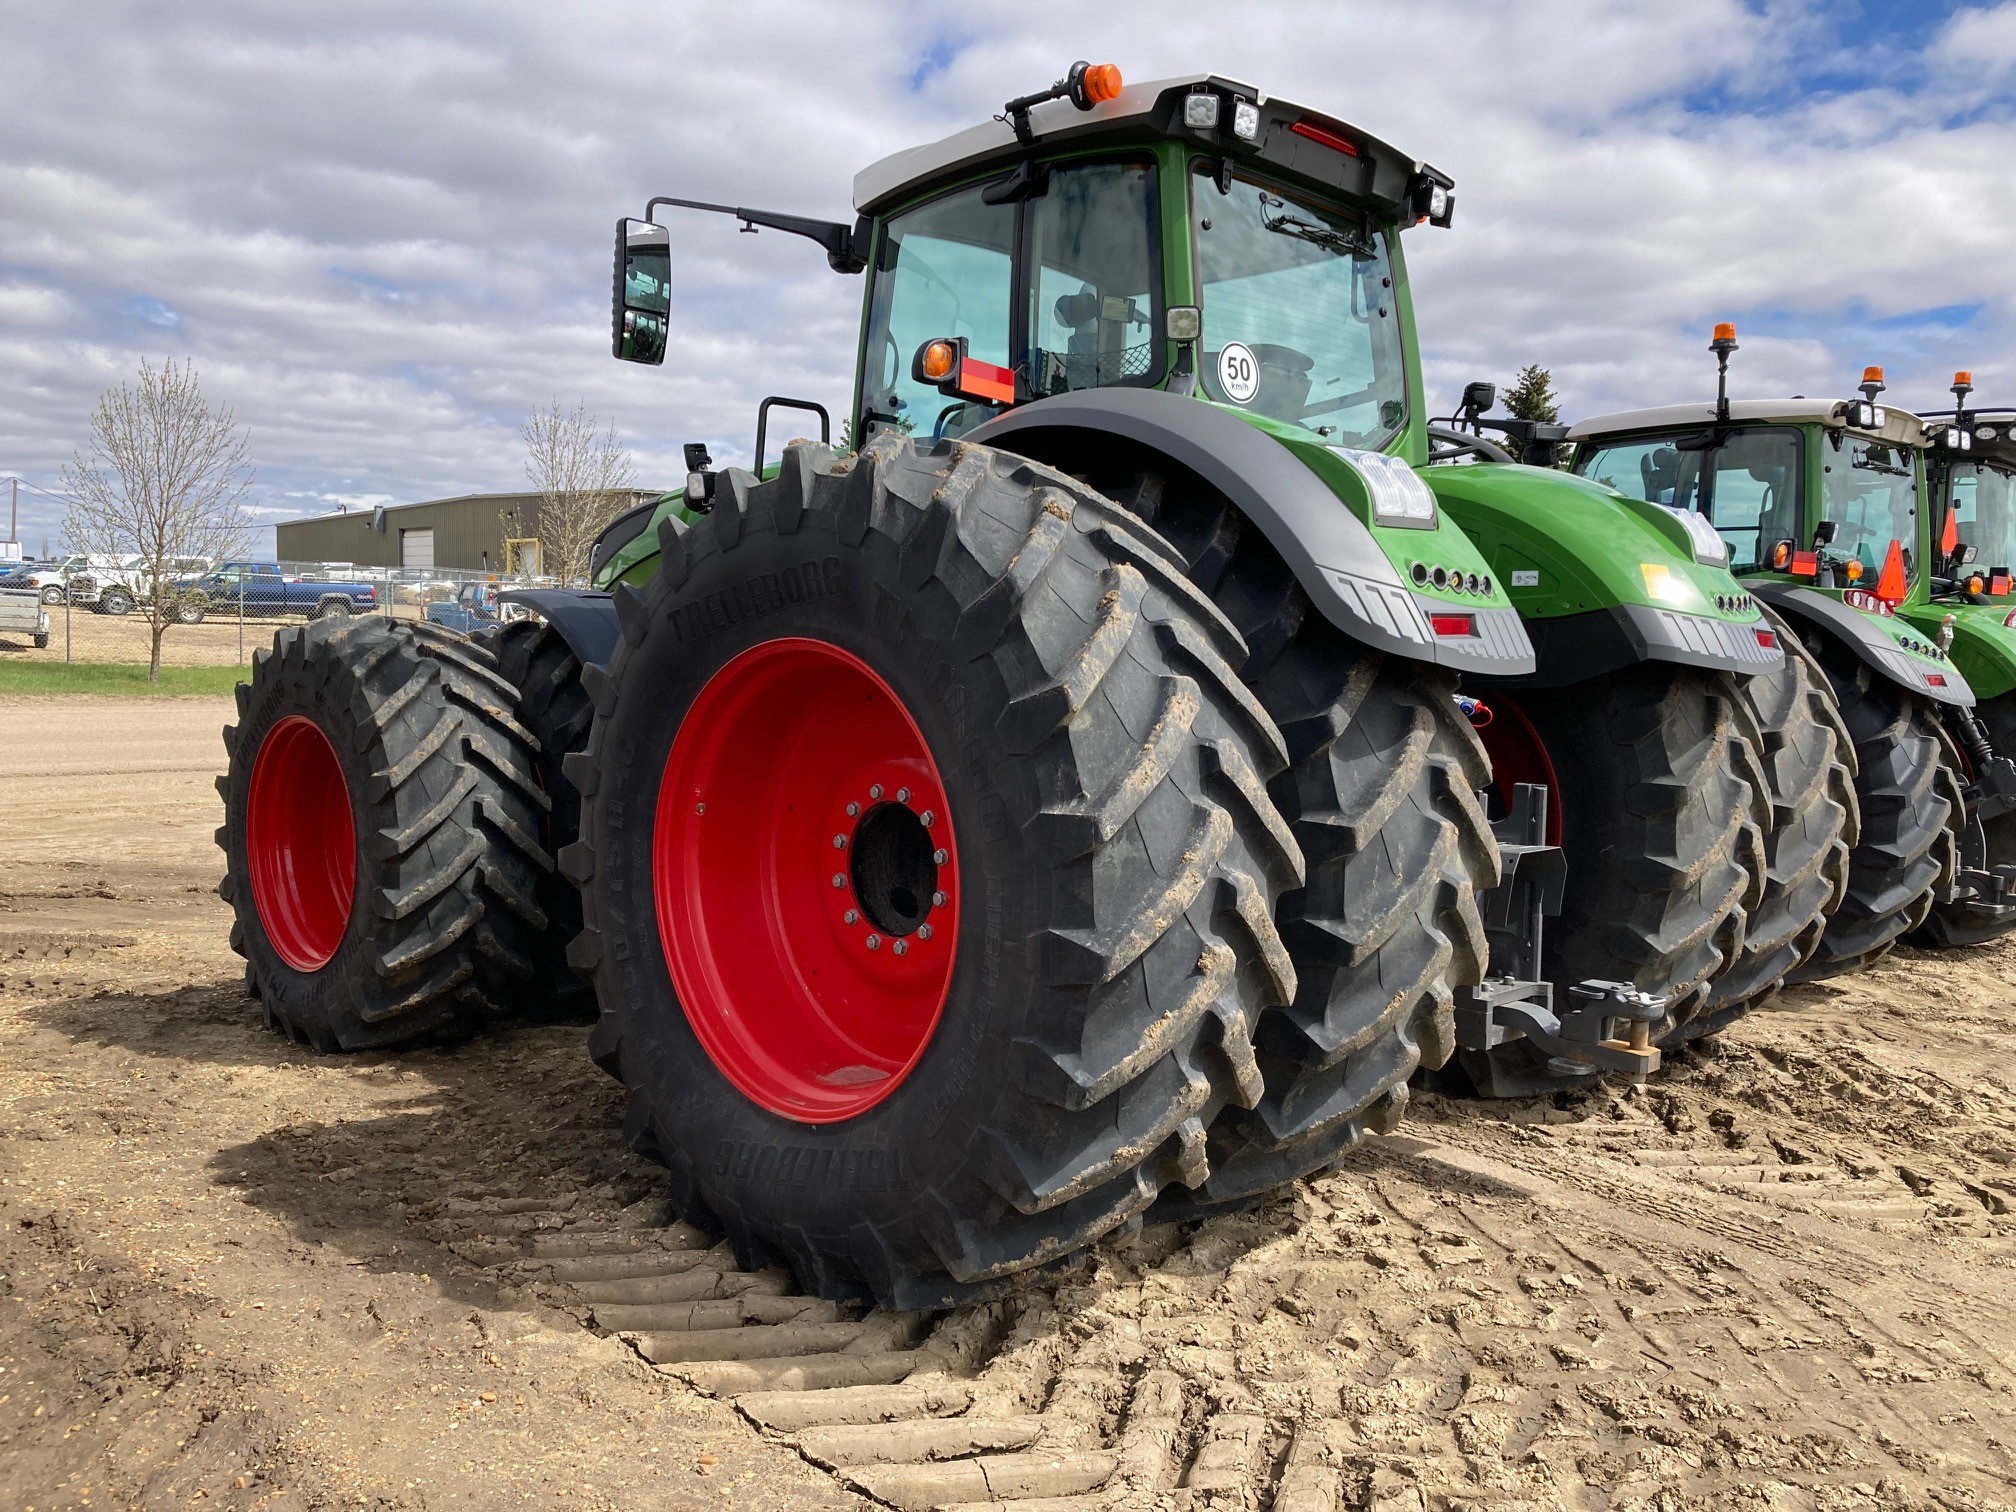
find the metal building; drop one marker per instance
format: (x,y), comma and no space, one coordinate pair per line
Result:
(492,532)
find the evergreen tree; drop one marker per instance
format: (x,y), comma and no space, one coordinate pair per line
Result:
(1532,397)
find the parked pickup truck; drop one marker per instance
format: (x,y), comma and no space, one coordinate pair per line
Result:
(474,608)
(262,589)
(21,613)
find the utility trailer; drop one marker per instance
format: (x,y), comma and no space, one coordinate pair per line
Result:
(1055,810)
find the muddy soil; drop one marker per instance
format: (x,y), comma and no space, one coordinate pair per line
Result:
(234,1273)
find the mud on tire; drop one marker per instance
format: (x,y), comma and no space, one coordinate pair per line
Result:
(1382,795)
(443,808)
(1118,862)
(1807,763)
(551,703)
(1907,789)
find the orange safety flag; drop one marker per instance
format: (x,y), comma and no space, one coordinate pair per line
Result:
(1950,536)
(1891,585)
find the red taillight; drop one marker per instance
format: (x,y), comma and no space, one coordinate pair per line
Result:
(1451,624)
(370,595)
(983,380)
(1805,564)
(1998,583)
(1767,639)
(1937,679)
(1324,137)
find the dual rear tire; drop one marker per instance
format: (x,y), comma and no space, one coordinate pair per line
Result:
(910,1057)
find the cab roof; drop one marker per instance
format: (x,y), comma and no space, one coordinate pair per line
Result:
(1899,426)
(1372,170)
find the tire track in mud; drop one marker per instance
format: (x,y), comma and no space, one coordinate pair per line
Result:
(1431,1326)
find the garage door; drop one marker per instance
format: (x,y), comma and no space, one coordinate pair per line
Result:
(416,548)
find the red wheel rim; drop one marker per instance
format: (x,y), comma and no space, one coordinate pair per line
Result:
(301,843)
(806,880)
(1518,754)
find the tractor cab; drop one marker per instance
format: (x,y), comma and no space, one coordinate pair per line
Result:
(1822,499)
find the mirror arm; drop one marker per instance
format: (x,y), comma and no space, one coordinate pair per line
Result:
(846,246)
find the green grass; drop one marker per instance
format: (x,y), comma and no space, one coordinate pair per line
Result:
(116,677)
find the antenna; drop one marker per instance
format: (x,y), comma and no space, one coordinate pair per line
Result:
(1722,345)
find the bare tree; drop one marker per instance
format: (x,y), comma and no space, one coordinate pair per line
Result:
(162,479)
(584,480)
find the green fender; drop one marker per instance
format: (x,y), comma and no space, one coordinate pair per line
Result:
(1602,580)
(1984,649)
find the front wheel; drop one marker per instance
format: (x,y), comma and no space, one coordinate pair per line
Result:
(53,594)
(115,601)
(1660,814)
(929,869)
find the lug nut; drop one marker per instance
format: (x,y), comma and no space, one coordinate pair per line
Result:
(927,818)
(839,879)
(902,795)
(853,810)
(699,808)
(940,857)
(902,947)
(852,916)
(875,791)
(839,842)
(923,931)
(874,942)
(938,898)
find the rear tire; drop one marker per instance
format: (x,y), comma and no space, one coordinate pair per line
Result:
(115,602)
(1117,862)
(554,706)
(1909,798)
(1662,818)
(332,608)
(1382,796)
(1807,763)
(396,744)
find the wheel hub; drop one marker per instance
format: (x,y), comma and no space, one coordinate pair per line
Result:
(806,880)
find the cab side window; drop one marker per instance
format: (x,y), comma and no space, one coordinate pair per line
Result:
(1092,286)
(942,269)
(1755,499)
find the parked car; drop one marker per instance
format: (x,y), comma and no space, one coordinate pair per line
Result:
(263,590)
(23,613)
(76,575)
(474,608)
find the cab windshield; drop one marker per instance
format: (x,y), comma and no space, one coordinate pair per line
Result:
(1299,319)
(1870,492)
(1983,500)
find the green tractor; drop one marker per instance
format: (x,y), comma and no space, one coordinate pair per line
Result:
(1821,503)
(1970,470)
(1057,805)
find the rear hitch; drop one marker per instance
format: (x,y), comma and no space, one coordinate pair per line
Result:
(1605,1026)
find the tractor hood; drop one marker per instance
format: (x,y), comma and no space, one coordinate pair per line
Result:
(1602,580)
(1324,152)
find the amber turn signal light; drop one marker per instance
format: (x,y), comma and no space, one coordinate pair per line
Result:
(937,361)
(1781,551)
(1853,572)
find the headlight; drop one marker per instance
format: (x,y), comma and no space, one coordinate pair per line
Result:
(1245,120)
(1399,497)
(1709,548)
(1438,203)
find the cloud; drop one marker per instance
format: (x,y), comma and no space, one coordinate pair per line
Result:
(381,230)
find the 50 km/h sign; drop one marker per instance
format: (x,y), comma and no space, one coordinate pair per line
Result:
(1238,372)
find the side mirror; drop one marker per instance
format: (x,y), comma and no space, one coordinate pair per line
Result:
(1479,397)
(641,304)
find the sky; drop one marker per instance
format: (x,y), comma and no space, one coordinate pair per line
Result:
(381,229)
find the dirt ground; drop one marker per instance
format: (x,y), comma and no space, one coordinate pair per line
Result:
(234,1273)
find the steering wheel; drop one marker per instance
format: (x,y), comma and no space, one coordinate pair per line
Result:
(1447,444)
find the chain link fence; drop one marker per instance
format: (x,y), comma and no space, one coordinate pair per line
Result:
(99,611)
